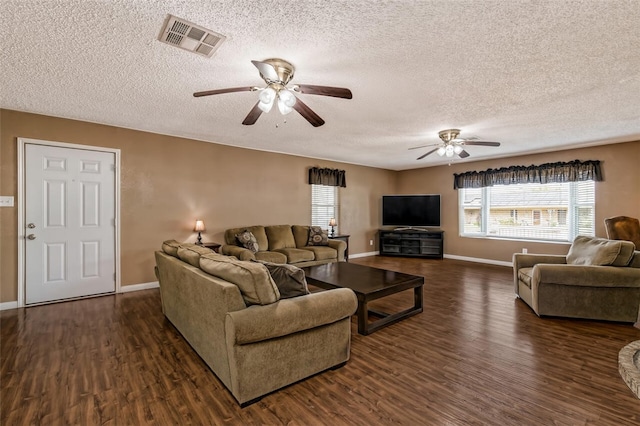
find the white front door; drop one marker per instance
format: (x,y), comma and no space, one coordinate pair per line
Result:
(69,223)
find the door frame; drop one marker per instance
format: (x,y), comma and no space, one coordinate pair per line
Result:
(22,142)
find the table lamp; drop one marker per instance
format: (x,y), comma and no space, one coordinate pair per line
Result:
(332,224)
(199,228)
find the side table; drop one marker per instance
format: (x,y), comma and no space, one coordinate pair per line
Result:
(344,238)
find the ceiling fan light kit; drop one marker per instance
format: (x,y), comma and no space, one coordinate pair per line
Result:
(277,73)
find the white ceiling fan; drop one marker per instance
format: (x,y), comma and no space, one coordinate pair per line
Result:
(453,145)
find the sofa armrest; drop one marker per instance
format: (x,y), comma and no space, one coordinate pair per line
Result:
(240,252)
(340,246)
(287,316)
(522,260)
(586,275)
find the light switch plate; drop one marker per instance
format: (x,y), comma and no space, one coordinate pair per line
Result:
(6,201)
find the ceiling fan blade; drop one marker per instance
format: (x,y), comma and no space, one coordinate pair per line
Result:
(482,143)
(253,115)
(308,113)
(424,155)
(424,146)
(336,92)
(463,154)
(220,91)
(267,70)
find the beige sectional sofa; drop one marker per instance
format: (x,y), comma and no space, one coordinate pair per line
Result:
(598,279)
(283,244)
(232,314)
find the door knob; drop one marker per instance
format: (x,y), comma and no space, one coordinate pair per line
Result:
(31,226)
(31,237)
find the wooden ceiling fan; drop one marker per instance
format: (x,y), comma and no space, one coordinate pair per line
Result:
(277,74)
(453,145)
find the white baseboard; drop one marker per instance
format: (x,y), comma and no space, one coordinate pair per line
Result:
(8,305)
(479,260)
(123,289)
(446,256)
(138,287)
(371,253)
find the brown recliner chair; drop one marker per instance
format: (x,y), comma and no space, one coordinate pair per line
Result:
(623,228)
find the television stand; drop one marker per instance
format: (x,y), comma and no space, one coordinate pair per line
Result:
(411,242)
(410,228)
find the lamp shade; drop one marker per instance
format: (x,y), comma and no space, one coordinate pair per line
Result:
(286,101)
(267,97)
(199,226)
(332,222)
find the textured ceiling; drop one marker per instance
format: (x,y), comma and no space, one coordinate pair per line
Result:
(533,75)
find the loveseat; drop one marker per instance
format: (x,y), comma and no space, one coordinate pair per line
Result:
(232,314)
(296,245)
(598,279)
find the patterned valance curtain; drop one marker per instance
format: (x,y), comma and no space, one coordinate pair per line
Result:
(328,177)
(571,171)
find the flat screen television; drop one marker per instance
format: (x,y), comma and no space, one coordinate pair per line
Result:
(411,210)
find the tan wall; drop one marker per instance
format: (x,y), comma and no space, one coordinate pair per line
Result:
(168,182)
(618,194)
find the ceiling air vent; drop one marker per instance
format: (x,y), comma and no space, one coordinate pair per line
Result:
(186,35)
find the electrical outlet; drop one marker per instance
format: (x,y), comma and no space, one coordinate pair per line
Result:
(524,250)
(6,201)
(370,242)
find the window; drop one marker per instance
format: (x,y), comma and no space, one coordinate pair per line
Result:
(553,211)
(324,205)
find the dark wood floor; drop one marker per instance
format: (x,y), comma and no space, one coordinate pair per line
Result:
(476,355)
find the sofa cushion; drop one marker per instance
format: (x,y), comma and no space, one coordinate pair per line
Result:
(191,253)
(317,237)
(280,236)
(295,255)
(171,247)
(300,235)
(322,252)
(247,240)
(252,278)
(271,256)
(289,279)
(599,251)
(257,231)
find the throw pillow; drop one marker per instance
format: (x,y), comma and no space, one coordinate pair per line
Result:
(599,251)
(317,237)
(289,279)
(253,280)
(247,240)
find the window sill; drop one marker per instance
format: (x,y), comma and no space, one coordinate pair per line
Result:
(485,237)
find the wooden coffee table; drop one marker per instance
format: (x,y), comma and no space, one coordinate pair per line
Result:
(368,284)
